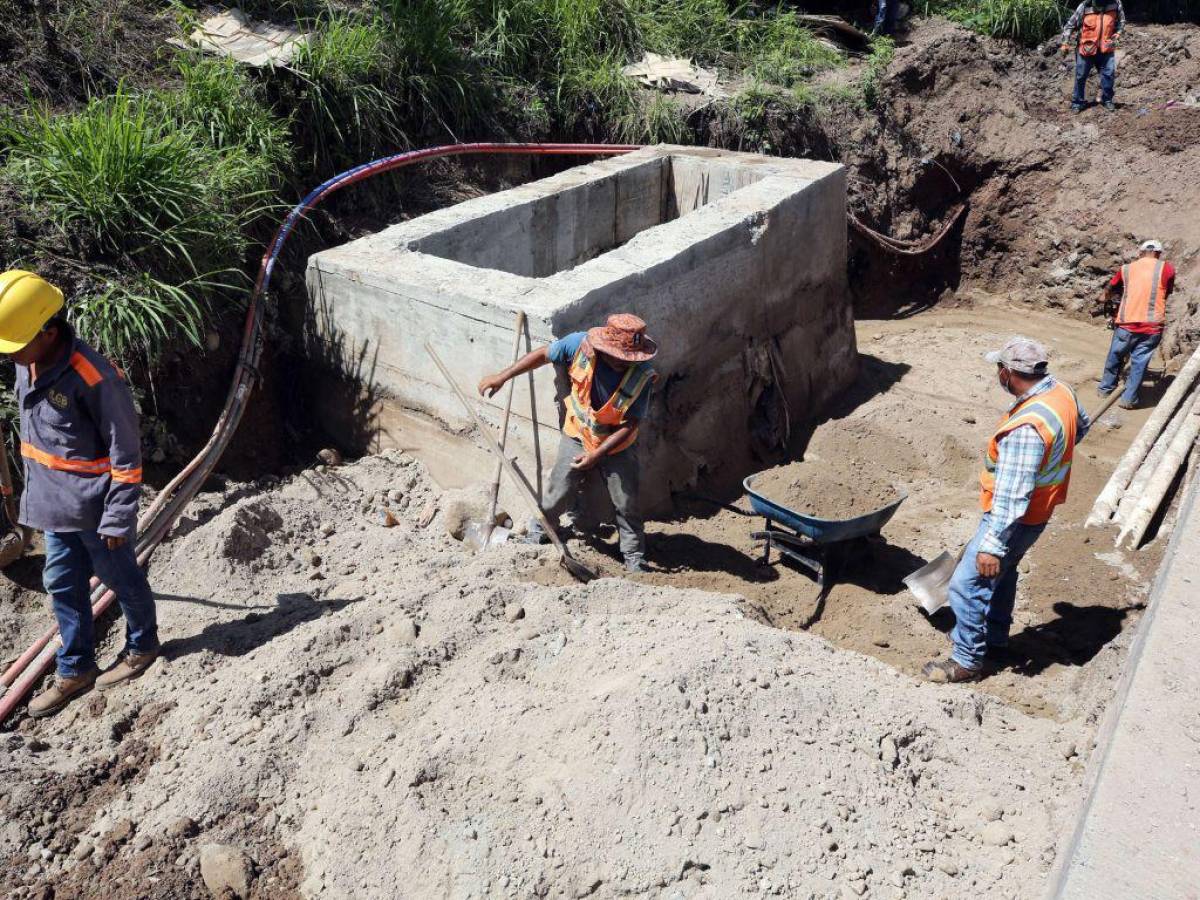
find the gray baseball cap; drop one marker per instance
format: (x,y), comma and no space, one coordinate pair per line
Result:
(1021,354)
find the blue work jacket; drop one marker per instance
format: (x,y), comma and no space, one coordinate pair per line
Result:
(81,445)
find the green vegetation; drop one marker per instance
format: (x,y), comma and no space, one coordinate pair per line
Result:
(133,189)
(1027,21)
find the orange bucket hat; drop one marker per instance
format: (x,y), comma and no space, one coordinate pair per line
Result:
(623,336)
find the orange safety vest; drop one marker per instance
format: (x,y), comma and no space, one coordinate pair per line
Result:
(1096,33)
(593,427)
(1144,300)
(1055,415)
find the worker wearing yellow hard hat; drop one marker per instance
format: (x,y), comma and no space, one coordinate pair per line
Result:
(81,444)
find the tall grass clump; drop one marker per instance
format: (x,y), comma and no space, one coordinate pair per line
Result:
(1026,21)
(344,112)
(135,317)
(883,51)
(434,73)
(133,190)
(230,108)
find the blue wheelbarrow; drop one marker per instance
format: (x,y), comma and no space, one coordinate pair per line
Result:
(819,545)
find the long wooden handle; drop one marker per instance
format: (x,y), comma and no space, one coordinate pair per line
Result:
(6,483)
(494,446)
(504,426)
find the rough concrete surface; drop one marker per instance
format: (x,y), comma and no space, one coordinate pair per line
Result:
(1139,830)
(405,719)
(737,262)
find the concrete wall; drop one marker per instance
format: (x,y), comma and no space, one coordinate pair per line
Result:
(737,262)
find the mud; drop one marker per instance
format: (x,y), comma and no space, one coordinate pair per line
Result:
(834,488)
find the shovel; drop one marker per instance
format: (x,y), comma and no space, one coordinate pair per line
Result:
(478,535)
(930,584)
(14,538)
(577,569)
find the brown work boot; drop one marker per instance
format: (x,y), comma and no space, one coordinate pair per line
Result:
(128,665)
(947,671)
(59,694)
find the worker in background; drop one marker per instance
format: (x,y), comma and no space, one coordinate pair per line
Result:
(82,449)
(1099,24)
(1145,284)
(1027,469)
(610,393)
(886,14)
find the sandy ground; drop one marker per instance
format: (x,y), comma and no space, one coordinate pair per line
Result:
(352,710)
(920,416)
(374,712)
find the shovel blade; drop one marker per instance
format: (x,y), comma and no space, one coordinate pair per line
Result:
(930,584)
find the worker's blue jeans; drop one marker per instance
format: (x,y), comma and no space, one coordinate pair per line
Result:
(983,607)
(1106,65)
(885,16)
(72,557)
(1140,350)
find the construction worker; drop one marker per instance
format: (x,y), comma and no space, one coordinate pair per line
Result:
(1027,469)
(1145,284)
(1099,24)
(610,393)
(82,449)
(886,14)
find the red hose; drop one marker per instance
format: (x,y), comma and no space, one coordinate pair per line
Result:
(170,502)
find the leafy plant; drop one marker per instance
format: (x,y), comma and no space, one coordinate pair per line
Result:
(883,50)
(135,320)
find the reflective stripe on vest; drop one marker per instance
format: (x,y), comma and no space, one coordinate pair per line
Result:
(1096,33)
(90,374)
(1055,415)
(594,427)
(1145,297)
(62,464)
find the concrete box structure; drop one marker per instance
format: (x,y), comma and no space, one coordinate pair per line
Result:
(736,261)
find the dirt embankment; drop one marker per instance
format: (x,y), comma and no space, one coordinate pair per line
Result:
(1057,200)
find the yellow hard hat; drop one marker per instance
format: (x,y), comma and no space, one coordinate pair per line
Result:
(27,302)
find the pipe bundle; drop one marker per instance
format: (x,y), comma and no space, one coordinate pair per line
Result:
(1149,467)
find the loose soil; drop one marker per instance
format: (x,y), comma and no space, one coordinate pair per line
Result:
(826,488)
(357,707)
(920,414)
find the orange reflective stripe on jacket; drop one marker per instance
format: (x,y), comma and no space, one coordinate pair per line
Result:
(128,476)
(1055,415)
(1145,297)
(1096,33)
(90,374)
(593,427)
(83,466)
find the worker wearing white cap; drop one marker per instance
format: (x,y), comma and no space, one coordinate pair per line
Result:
(1026,473)
(1139,319)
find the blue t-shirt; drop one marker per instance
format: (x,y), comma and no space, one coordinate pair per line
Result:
(604,382)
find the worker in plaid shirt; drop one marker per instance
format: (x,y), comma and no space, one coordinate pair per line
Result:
(1027,470)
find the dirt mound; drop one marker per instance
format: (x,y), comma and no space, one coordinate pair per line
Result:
(359,707)
(826,488)
(1057,200)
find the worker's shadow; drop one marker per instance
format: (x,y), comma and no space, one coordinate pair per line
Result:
(1073,638)
(239,636)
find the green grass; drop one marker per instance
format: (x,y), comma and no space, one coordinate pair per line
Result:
(1027,21)
(126,185)
(883,50)
(136,318)
(344,111)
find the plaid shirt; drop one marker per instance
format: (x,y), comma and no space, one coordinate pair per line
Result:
(1020,457)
